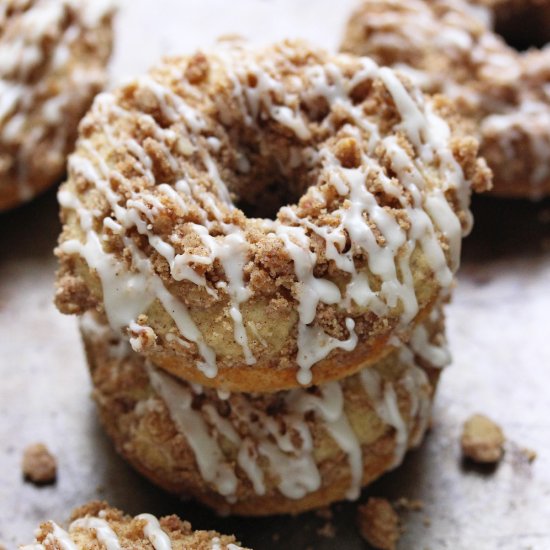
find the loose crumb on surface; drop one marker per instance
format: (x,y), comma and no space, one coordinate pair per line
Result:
(328,530)
(39,465)
(324,513)
(482,439)
(410,505)
(427,521)
(529,454)
(379,524)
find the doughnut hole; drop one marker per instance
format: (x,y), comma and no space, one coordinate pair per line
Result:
(523,24)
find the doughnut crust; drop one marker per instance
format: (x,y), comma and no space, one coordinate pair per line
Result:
(455,50)
(52,63)
(96,526)
(378,179)
(262,454)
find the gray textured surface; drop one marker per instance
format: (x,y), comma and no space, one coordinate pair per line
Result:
(499,325)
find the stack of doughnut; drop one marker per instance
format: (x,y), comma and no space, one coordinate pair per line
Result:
(258,242)
(454,47)
(53,55)
(97,525)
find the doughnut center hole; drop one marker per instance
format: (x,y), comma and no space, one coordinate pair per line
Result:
(274,195)
(524,27)
(275,175)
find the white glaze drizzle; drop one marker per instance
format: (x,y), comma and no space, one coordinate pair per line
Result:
(103,531)
(153,531)
(127,293)
(58,536)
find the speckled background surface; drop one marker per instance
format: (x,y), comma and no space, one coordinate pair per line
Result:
(499,329)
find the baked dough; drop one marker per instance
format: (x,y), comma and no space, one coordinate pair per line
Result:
(262,454)
(378,178)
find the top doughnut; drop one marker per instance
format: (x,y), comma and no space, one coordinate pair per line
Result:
(156,232)
(451,47)
(53,55)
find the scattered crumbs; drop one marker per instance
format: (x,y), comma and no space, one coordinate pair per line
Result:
(427,521)
(482,439)
(379,524)
(39,465)
(529,454)
(327,531)
(410,505)
(324,513)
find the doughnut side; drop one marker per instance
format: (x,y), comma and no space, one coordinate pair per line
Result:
(52,64)
(261,454)
(97,525)
(375,181)
(455,50)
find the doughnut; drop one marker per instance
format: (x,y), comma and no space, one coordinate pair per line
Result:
(97,525)
(262,454)
(455,50)
(53,55)
(367,183)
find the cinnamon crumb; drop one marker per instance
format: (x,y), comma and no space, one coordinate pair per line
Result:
(39,466)
(379,524)
(529,454)
(324,513)
(427,521)
(482,439)
(328,530)
(410,505)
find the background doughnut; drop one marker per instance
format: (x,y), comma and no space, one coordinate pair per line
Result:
(52,63)
(379,175)
(455,50)
(96,525)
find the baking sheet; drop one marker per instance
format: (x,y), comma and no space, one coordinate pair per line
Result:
(499,329)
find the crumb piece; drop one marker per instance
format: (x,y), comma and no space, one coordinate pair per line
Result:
(410,505)
(327,530)
(39,465)
(427,521)
(482,439)
(324,513)
(2,547)
(379,524)
(275,537)
(529,454)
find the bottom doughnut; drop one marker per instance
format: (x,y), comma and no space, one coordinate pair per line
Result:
(262,454)
(96,525)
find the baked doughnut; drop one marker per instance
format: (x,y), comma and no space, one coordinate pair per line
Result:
(262,454)
(154,236)
(455,50)
(52,63)
(97,525)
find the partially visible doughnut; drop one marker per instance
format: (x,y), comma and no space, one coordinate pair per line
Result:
(261,454)
(53,55)
(450,47)
(380,183)
(96,525)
